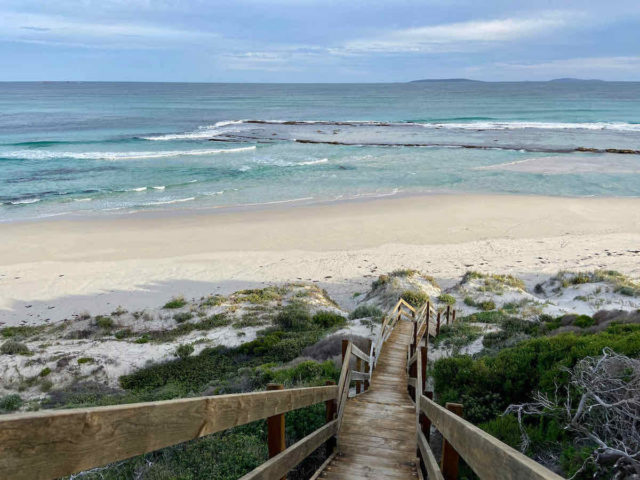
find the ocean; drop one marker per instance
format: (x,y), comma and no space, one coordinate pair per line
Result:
(76,148)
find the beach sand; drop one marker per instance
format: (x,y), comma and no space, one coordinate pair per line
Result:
(52,269)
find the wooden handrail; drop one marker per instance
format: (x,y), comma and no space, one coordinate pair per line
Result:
(359,376)
(356,352)
(282,463)
(51,444)
(487,456)
(429,460)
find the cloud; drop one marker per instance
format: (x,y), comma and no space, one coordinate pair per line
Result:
(461,36)
(278,59)
(51,29)
(583,64)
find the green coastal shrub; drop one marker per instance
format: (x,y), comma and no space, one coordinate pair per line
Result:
(13,347)
(175,302)
(415,298)
(183,317)
(487,305)
(10,403)
(83,360)
(295,316)
(44,372)
(365,310)
(21,331)
(447,298)
(584,321)
(535,364)
(103,322)
(124,333)
(183,351)
(327,319)
(457,335)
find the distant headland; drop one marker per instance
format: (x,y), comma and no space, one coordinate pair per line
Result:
(468,80)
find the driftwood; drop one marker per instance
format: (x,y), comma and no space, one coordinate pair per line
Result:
(606,414)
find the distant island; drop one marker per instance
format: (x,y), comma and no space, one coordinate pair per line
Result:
(461,80)
(445,80)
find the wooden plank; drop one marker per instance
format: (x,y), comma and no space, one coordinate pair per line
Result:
(408,305)
(344,395)
(52,444)
(279,465)
(356,352)
(324,465)
(346,354)
(429,460)
(412,360)
(487,456)
(359,376)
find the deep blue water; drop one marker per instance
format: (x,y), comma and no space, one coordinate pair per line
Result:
(69,148)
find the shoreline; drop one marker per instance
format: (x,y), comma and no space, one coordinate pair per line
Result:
(62,267)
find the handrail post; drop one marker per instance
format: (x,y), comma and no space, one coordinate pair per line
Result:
(423,369)
(438,325)
(345,344)
(415,334)
(331,410)
(454,317)
(358,369)
(275,429)
(450,457)
(448,313)
(425,423)
(367,369)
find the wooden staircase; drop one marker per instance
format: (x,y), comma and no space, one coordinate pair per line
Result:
(377,438)
(379,431)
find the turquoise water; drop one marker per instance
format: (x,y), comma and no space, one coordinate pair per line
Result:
(110,148)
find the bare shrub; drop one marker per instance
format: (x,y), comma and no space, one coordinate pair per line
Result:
(606,414)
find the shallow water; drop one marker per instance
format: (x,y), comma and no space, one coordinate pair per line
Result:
(109,148)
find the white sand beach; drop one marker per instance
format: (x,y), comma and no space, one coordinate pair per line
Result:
(53,269)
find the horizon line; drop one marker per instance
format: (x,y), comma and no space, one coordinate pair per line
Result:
(426,80)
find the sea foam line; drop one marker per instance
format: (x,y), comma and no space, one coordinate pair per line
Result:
(202,132)
(44,155)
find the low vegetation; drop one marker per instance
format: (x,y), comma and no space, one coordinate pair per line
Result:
(366,311)
(620,283)
(13,347)
(447,299)
(487,385)
(10,403)
(415,298)
(175,302)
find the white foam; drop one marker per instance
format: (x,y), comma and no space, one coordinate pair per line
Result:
(167,202)
(139,189)
(314,162)
(25,201)
(47,154)
(88,199)
(201,133)
(159,187)
(616,126)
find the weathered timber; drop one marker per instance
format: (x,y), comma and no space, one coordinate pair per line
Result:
(429,460)
(51,444)
(487,456)
(278,466)
(450,459)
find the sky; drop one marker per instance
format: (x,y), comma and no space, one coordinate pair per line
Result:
(318,41)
